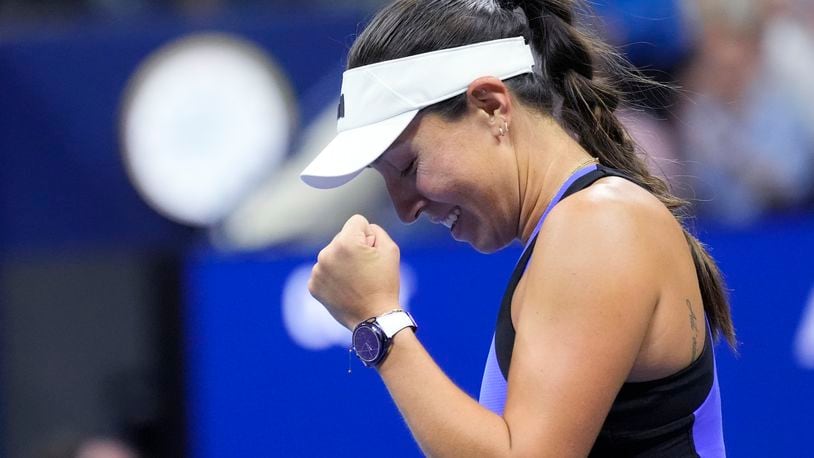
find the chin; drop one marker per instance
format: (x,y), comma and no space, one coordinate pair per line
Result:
(484,240)
(486,250)
(488,246)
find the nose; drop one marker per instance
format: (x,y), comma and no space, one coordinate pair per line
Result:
(408,203)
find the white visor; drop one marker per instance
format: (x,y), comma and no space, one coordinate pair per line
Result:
(379,101)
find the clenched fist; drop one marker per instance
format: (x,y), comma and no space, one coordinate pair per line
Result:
(356,276)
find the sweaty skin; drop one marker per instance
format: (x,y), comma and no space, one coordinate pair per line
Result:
(604,299)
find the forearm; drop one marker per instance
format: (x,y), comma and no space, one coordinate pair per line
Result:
(443,419)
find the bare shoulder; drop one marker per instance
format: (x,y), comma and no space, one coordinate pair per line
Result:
(610,236)
(615,198)
(583,308)
(613,215)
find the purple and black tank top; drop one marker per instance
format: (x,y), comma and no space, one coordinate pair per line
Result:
(676,416)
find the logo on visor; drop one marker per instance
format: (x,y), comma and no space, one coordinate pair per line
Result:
(341,111)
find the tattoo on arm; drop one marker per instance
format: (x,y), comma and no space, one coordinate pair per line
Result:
(694,328)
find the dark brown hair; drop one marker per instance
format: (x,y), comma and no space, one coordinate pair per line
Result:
(580,79)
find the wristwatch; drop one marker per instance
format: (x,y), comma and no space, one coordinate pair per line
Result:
(372,338)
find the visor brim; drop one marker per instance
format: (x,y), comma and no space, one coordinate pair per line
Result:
(353,150)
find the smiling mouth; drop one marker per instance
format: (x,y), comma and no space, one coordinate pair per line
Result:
(452,218)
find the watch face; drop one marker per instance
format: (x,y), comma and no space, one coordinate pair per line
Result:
(367,344)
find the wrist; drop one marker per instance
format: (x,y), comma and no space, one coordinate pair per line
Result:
(402,336)
(373,338)
(381,307)
(400,346)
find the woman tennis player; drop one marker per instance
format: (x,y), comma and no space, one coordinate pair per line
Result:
(497,120)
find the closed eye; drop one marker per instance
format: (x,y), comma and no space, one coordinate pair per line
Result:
(409,169)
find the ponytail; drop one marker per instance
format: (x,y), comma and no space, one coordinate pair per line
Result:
(581,69)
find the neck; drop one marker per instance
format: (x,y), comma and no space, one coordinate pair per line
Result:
(546,157)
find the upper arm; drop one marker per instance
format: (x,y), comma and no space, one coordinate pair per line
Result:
(580,318)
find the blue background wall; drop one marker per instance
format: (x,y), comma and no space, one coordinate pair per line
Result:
(256,393)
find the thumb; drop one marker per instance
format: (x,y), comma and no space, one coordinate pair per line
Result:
(380,236)
(356,223)
(357,229)
(370,236)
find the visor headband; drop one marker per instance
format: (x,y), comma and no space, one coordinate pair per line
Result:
(380,91)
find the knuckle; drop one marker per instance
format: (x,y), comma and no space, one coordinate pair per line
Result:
(315,273)
(341,247)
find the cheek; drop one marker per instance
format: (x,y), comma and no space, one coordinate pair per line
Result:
(456,169)
(442,181)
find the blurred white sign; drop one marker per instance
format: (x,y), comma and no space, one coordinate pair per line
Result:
(205,118)
(310,325)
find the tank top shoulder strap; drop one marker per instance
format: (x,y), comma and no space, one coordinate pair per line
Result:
(504,329)
(600,172)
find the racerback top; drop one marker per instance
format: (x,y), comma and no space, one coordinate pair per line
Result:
(676,416)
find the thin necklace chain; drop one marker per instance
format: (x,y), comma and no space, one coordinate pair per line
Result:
(592,160)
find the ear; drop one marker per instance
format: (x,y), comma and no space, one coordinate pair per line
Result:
(491,97)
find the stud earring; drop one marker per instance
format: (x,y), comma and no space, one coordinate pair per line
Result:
(505,129)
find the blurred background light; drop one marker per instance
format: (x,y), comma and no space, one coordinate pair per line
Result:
(804,344)
(205,118)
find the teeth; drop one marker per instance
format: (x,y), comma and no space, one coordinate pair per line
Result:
(452,218)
